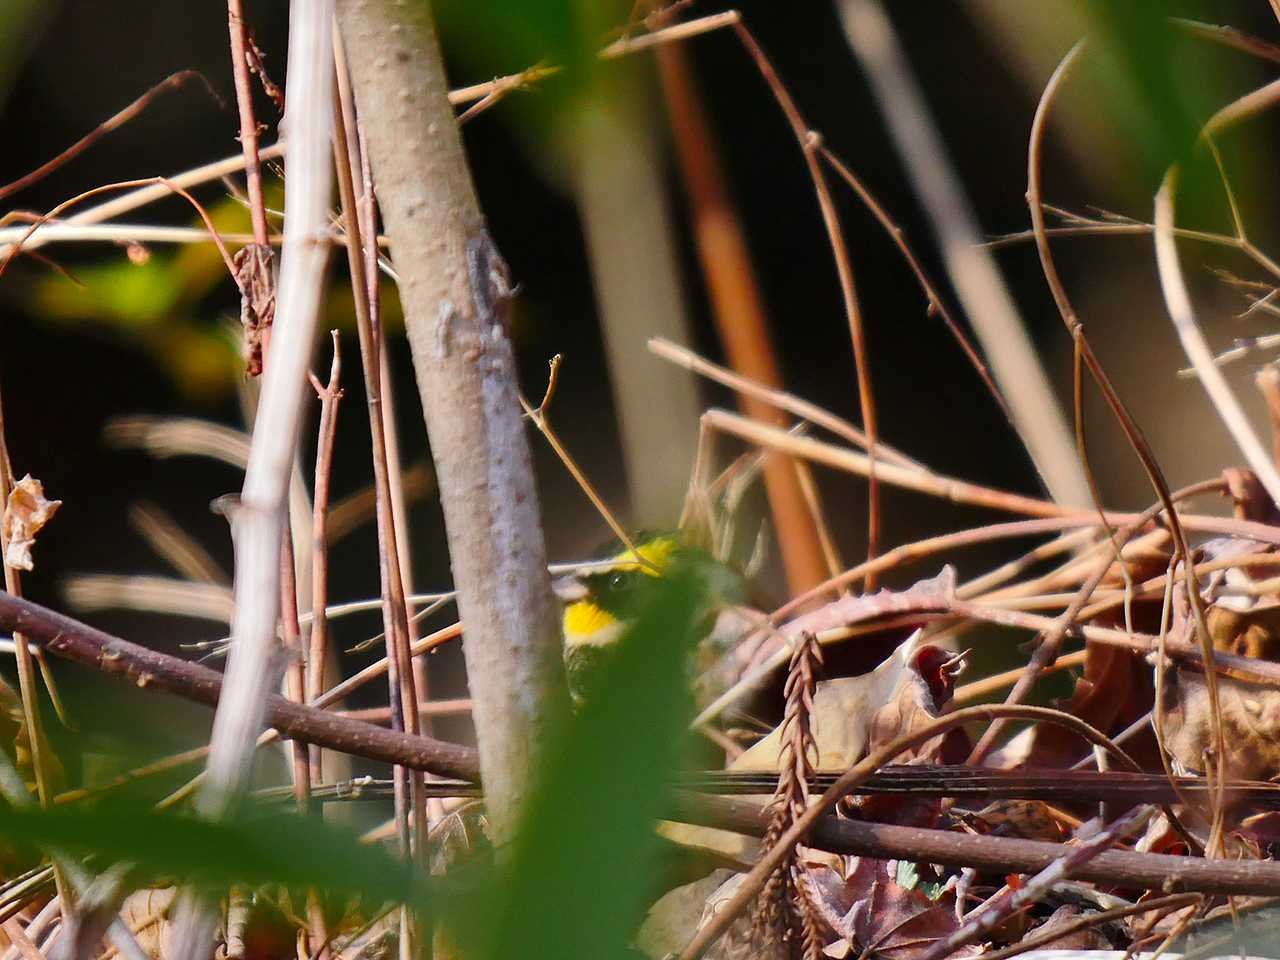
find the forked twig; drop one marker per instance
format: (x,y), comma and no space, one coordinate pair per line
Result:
(810,142)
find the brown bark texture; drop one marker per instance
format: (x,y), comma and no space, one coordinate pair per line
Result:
(454,288)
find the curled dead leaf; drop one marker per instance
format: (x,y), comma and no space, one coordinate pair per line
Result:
(911,687)
(1244,621)
(257,285)
(25,513)
(1250,724)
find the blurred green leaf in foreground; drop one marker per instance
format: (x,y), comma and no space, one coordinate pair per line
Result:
(582,870)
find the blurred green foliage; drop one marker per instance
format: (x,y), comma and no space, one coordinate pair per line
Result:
(500,37)
(1162,85)
(584,864)
(574,882)
(255,849)
(169,303)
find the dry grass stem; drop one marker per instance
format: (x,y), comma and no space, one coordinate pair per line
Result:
(410,806)
(260,527)
(1036,413)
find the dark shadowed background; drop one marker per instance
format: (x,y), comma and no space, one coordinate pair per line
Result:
(981,63)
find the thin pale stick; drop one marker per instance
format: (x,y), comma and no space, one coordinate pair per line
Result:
(973,272)
(789,402)
(263,503)
(1178,300)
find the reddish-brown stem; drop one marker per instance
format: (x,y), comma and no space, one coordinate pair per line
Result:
(810,143)
(295,682)
(738,309)
(395,617)
(318,647)
(171,82)
(248,122)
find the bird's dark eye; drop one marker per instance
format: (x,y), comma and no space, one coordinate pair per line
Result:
(617,581)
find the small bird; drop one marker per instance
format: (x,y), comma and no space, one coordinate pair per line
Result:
(602,601)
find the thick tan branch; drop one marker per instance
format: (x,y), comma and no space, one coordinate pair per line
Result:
(454,288)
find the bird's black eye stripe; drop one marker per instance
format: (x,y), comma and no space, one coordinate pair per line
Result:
(616,590)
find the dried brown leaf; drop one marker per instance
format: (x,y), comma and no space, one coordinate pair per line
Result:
(1250,724)
(257,300)
(1024,819)
(846,712)
(25,513)
(866,907)
(1104,697)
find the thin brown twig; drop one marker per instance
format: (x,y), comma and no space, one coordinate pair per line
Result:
(951,488)
(457,96)
(998,855)
(330,395)
(1046,651)
(410,807)
(1230,37)
(810,143)
(239,33)
(16,247)
(975,278)
(1004,907)
(738,308)
(148,669)
(171,82)
(1131,430)
(797,406)
(936,303)
(538,417)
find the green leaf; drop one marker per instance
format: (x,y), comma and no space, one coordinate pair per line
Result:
(584,864)
(252,849)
